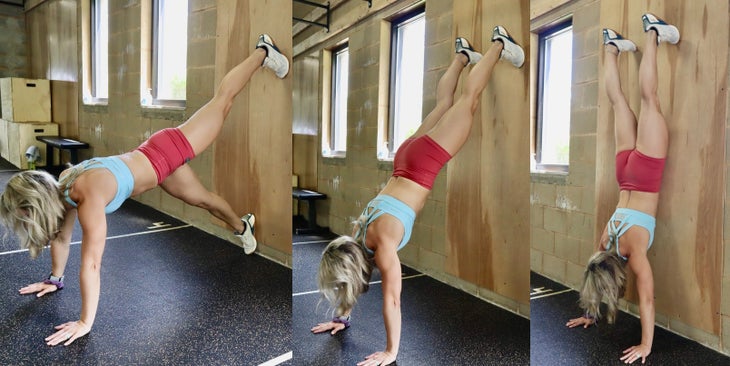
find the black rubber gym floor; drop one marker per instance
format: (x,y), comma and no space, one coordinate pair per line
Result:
(441,325)
(172,295)
(552,343)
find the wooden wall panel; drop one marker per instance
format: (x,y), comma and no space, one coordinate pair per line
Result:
(687,253)
(306,119)
(252,155)
(488,180)
(53,35)
(65,107)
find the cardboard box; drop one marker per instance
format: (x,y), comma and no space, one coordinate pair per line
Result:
(25,100)
(19,136)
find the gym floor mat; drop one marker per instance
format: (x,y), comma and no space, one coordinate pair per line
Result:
(171,294)
(552,343)
(441,325)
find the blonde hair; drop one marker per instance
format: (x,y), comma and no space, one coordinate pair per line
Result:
(605,277)
(344,273)
(32,207)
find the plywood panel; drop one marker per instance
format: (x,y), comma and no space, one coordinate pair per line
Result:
(53,33)
(62,45)
(687,252)
(37,26)
(304,160)
(306,119)
(488,181)
(253,152)
(65,107)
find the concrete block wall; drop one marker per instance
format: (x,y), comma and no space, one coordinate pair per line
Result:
(14,53)
(123,124)
(564,227)
(562,216)
(353,181)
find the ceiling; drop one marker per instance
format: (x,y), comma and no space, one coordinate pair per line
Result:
(311,10)
(20,3)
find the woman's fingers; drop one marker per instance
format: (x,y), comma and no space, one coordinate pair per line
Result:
(321,327)
(68,333)
(337,327)
(47,289)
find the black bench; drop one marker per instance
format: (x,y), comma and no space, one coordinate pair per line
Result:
(310,197)
(61,143)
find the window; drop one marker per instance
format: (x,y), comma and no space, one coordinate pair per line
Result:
(406,77)
(169,55)
(554,92)
(99,50)
(338,115)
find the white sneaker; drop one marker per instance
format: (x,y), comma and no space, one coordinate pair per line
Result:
(511,52)
(611,37)
(665,32)
(274,60)
(462,46)
(247,238)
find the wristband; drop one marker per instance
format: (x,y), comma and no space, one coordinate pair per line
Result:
(589,316)
(53,280)
(342,320)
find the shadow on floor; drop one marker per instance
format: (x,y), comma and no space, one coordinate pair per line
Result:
(441,325)
(173,295)
(552,343)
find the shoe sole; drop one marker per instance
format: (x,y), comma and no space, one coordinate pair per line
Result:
(248,239)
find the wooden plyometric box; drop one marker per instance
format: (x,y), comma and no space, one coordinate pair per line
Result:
(4,139)
(25,100)
(20,136)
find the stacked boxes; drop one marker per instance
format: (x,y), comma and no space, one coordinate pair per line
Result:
(26,113)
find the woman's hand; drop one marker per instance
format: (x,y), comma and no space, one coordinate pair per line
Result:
(323,327)
(634,353)
(585,322)
(39,287)
(378,359)
(68,332)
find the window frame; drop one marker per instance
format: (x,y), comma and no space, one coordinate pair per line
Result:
(155,55)
(95,11)
(395,23)
(544,34)
(339,49)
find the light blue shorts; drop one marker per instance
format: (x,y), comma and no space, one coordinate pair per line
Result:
(385,204)
(627,218)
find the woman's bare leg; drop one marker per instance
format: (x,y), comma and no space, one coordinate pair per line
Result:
(624,117)
(205,125)
(452,129)
(183,184)
(444,94)
(652,137)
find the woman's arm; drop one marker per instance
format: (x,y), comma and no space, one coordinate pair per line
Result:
(639,263)
(387,261)
(93,224)
(60,246)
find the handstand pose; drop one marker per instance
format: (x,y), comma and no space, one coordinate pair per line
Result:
(41,210)
(385,225)
(640,155)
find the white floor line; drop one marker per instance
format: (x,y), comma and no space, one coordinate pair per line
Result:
(372,283)
(312,242)
(114,237)
(285,357)
(551,294)
(540,290)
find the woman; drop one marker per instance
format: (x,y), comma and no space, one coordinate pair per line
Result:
(41,210)
(640,157)
(385,225)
